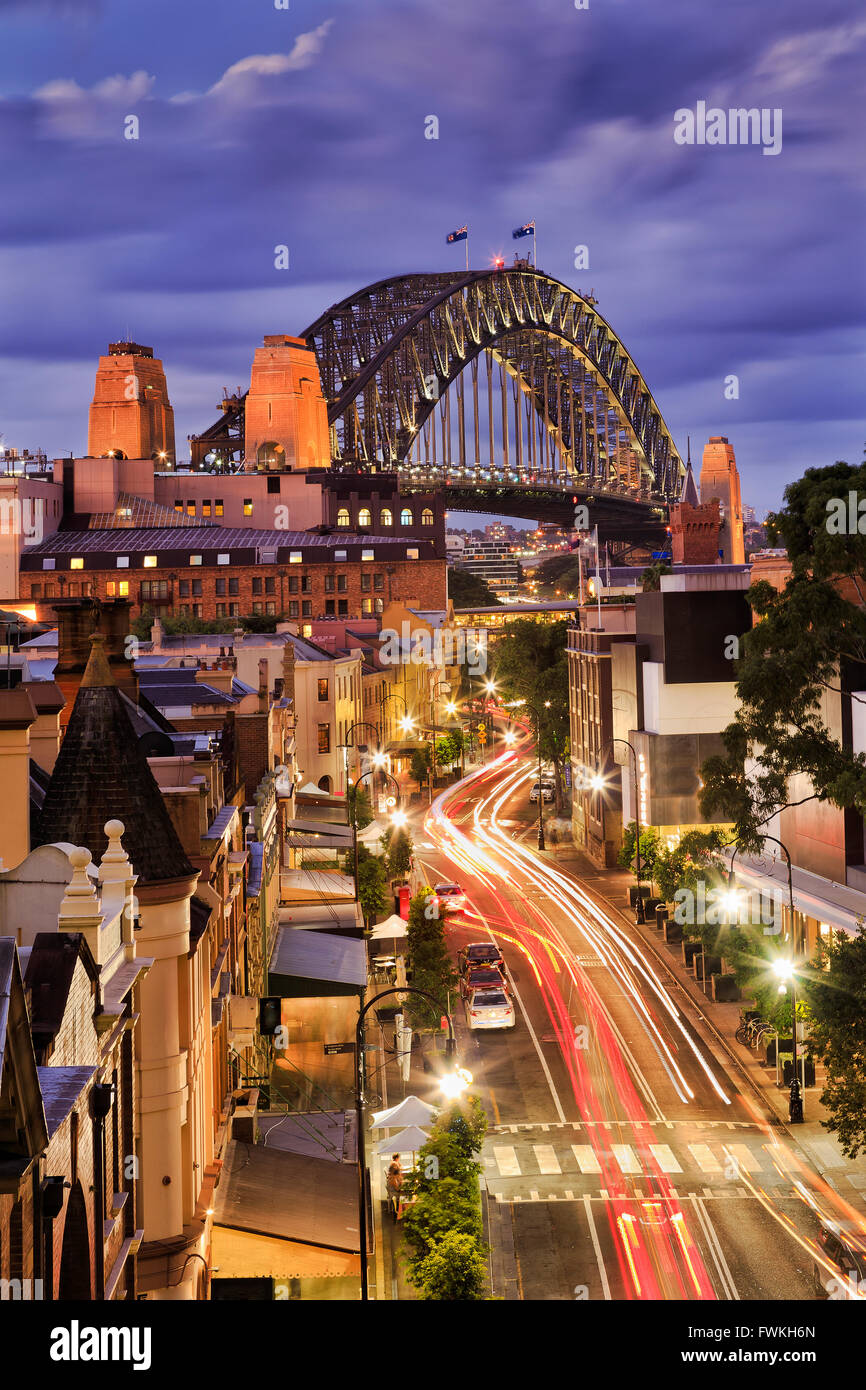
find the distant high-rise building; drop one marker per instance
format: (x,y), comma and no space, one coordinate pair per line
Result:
(130,416)
(720,480)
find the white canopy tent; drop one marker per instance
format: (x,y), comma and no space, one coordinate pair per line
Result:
(391,928)
(410,1111)
(408,1141)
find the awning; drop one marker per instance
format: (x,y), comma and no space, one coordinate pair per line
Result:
(410,1111)
(392,927)
(307,964)
(408,1141)
(342,916)
(833,903)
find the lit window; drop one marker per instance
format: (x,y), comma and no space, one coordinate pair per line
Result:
(307,630)
(195,559)
(248,506)
(224,559)
(205,507)
(111,588)
(296,557)
(123,562)
(368,555)
(324,738)
(365,517)
(340,555)
(178,505)
(427,517)
(386,517)
(48,564)
(323,687)
(123,588)
(343,517)
(366,605)
(190,507)
(76,563)
(406,517)
(411,552)
(218,506)
(150,562)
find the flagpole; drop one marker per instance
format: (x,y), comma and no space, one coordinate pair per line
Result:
(467,253)
(534,246)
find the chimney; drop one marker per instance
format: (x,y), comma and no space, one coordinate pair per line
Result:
(263,684)
(48,702)
(289,672)
(17,716)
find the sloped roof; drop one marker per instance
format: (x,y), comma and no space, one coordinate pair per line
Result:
(101,773)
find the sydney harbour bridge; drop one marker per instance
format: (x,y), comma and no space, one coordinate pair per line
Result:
(504,388)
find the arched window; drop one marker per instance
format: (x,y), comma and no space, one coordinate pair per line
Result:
(386,517)
(365,517)
(271,455)
(427,517)
(324,784)
(406,517)
(343,517)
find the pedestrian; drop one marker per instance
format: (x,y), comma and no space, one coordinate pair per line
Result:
(393,1185)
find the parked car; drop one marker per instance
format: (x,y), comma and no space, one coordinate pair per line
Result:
(449,896)
(489,1008)
(480,953)
(847,1253)
(482,977)
(543,789)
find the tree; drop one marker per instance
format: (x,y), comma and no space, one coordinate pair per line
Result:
(419,767)
(372,884)
(359,804)
(531,665)
(697,852)
(454,1269)
(809,643)
(836,994)
(650,580)
(429,961)
(467,590)
(398,846)
(174,626)
(650,849)
(449,748)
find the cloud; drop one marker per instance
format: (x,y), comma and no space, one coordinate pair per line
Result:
(800,59)
(243,80)
(119,89)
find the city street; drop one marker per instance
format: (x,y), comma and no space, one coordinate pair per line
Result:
(631,1163)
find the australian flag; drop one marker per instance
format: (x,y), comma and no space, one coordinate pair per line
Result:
(460,235)
(528,229)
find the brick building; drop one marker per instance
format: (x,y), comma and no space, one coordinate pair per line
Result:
(216,572)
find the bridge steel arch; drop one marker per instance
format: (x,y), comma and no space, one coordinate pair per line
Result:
(388,354)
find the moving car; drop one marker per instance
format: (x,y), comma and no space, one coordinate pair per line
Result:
(544,789)
(483,953)
(489,1008)
(847,1254)
(482,977)
(449,896)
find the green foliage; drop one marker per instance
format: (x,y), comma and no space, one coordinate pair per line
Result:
(697,855)
(429,961)
(467,590)
(454,1269)
(449,748)
(252,622)
(359,805)
(531,665)
(398,851)
(650,849)
(372,884)
(809,638)
(650,580)
(419,767)
(560,572)
(836,994)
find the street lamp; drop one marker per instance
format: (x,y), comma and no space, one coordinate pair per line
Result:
(453,1084)
(597,782)
(353,788)
(786,970)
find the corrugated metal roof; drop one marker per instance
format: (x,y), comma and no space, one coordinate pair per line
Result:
(137,540)
(316,955)
(61,1087)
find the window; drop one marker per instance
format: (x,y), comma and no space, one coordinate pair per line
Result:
(178,504)
(257,608)
(386,517)
(77,562)
(150,562)
(343,518)
(123,562)
(205,506)
(340,555)
(195,559)
(233,610)
(183,609)
(273,484)
(365,583)
(183,588)
(72,590)
(224,559)
(190,506)
(220,588)
(330,610)
(270,585)
(293,608)
(220,610)
(196,588)
(323,687)
(343,607)
(306,584)
(218,506)
(293,583)
(324,738)
(49,590)
(412,552)
(427,517)
(366,605)
(296,557)
(36,590)
(233,586)
(307,630)
(306,608)
(154,588)
(196,610)
(406,517)
(248,506)
(367,555)
(365,517)
(123,588)
(379,582)
(379,605)
(329,583)
(48,564)
(257,584)
(272,607)
(342,583)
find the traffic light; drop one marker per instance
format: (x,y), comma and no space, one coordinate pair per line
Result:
(269,1015)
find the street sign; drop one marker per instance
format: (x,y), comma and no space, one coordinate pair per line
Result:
(482,735)
(333,1049)
(391,801)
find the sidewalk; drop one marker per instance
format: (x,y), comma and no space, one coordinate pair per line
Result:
(818,1146)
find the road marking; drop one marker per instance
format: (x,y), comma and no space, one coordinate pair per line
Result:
(625,1157)
(727,1279)
(506,1161)
(546,1158)
(705,1158)
(828,1153)
(664,1157)
(745,1158)
(593,1235)
(586,1159)
(544,1067)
